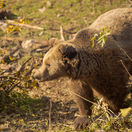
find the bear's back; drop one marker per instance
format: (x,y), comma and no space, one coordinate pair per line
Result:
(118,21)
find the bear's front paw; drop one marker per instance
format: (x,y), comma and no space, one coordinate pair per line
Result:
(81,123)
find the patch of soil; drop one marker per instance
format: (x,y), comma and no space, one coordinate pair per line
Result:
(55,111)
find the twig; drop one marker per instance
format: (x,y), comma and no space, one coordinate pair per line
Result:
(50,126)
(68,32)
(13,87)
(93,5)
(23,65)
(61,33)
(3,22)
(30,71)
(40,50)
(8,77)
(124,52)
(41,47)
(83,98)
(109,111)
(6,57)
(32,67)
(111,2)
(125,68)
(10,69)
(4,71)
(130,76)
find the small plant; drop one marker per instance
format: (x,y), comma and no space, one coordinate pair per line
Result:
(2,3)
(101,38)
(15,26)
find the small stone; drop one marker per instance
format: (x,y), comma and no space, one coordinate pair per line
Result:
(59,15)
(42,9)
(27,44)
(49,4)
(3,26)
(41,33)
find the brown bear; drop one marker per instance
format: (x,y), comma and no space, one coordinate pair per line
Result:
(94,68)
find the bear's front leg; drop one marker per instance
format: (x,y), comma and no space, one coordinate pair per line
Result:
(82,91)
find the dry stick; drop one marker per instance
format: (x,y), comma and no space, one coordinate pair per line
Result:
(50,126)
(62,33)
(125,68)
(130,76)
(93,5)
(3,22)
(8,77)
(6,57)
(23,65)
(91,102)
(41,48)
(13,87)
(83,98)
(68,32)
(111,2)
(30,71)
(124,52)
(22,25)
(32,67)
(122,61)
(6,70)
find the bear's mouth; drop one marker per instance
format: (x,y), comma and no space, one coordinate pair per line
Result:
(48,78)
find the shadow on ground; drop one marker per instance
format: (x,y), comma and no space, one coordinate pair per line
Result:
(20,112)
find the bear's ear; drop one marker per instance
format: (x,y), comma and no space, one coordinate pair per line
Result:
(68,51)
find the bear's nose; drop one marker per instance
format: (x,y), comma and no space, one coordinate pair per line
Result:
(36,74)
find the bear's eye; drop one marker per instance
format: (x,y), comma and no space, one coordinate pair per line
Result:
(48,65)
(65,61)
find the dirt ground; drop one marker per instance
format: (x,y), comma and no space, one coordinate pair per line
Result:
(55,112)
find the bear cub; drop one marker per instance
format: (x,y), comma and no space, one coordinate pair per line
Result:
(97,68)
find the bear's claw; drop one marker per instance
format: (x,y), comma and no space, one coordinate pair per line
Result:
(81,123)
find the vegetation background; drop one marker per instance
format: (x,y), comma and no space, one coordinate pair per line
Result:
(27,27)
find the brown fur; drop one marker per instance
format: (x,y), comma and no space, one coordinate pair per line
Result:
(94,68)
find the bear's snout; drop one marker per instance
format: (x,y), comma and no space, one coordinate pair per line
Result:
(36,74)
(40,74)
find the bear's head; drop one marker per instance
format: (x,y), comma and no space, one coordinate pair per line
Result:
(61,60)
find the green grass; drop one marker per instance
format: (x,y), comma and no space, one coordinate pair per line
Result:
(19,103)
(68,13)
